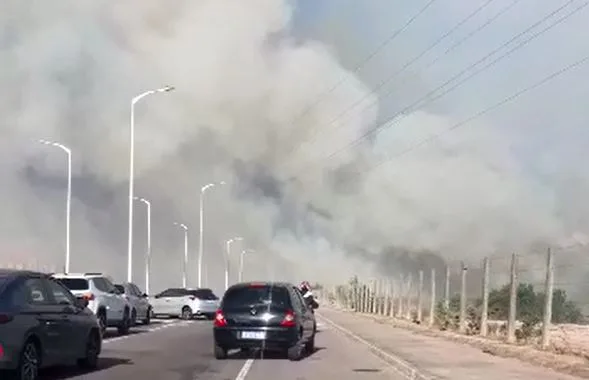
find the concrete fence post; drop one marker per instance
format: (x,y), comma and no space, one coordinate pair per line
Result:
(420,298)
(549,292)
(432,302)
(462,318)
(485,306)
(511,319)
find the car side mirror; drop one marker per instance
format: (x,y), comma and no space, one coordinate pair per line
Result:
(81,302)
(144,295)
(157,296)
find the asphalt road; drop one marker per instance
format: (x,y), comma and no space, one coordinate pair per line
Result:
(178,350)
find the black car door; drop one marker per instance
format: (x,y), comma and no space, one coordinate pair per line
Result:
(74,322)
(37,303)
(307,316)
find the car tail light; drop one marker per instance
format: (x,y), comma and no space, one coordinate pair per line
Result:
(220,320)
(1,351)
(88,296)
(5,318)
(289,319)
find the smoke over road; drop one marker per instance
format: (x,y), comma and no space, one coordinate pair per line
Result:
(243,76)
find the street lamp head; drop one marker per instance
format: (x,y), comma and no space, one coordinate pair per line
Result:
(222,183)
(166,89)
(181,225)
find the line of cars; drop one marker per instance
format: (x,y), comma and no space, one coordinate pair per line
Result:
(60,319)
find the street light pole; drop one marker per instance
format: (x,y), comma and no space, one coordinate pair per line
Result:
(201,227)
(185,266)
(243,252)
(148,253)
(132,173)
(68,206)
(227,254)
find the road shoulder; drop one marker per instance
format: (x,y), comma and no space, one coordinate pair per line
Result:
(435,357)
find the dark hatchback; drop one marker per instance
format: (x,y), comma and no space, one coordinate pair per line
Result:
(264,315)
(42,324)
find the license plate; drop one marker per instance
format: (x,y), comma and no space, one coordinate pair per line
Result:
(257,335)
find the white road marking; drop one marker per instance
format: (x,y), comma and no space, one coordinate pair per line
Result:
(245,369)
(410,372)
(165,325)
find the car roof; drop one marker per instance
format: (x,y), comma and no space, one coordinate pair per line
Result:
(78,275)
(4,272)
(261,283)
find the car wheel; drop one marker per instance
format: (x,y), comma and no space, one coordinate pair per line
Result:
(295,352)
(29,361)
(133,317)
(125,324)
(186,313)
(102,322)
(220,352)
(90,359)
(147,319)
(310,345)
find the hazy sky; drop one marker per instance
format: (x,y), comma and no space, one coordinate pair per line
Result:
(506,181)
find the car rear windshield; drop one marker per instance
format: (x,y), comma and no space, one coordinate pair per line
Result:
(204,294)
(256,295)
(75,283)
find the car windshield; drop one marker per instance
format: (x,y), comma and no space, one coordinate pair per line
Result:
(74,283)
(120,288)
(204,294)
(256,295)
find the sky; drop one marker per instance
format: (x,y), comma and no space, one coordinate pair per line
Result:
(281,99)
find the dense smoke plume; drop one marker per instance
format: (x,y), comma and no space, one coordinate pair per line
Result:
(245,76)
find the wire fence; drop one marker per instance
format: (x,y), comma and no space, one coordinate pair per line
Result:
(538,298)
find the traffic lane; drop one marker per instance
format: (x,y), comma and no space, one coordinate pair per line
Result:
(175,351)
(335,357)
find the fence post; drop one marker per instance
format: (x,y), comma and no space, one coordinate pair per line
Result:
(393,290)
(401,293)
(420,298)
(373,298)
(409,300)
(364,297)
(432,303)
(512,301)
(447,288)
(462,320)
(549,291)
(485,311)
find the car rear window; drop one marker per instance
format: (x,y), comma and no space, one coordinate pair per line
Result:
(256,295)
(74,283)
(204,294)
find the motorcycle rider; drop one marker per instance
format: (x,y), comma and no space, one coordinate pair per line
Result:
(305,289)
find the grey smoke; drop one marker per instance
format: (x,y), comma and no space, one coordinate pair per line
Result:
(244,71)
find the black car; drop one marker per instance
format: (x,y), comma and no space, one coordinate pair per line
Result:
(42,324)
(267,316)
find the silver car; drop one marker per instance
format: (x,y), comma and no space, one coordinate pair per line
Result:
(185,303)
(139,301)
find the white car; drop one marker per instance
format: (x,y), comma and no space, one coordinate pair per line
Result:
(185,303)
(140,306)
(110,307)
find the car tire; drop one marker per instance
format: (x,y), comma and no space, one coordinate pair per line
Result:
(102,321)
(186,313)
(29,361)
(220,352)
(92,350)
(125,325)
(310,344)
(294,353)
(133,317)
(147,319)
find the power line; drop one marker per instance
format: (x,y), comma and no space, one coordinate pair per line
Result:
(428,97)
(397,73)
(363,63)
(481,113)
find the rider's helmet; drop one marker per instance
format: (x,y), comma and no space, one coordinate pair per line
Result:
(304,287)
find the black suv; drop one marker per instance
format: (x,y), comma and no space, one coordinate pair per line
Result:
(267,316)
